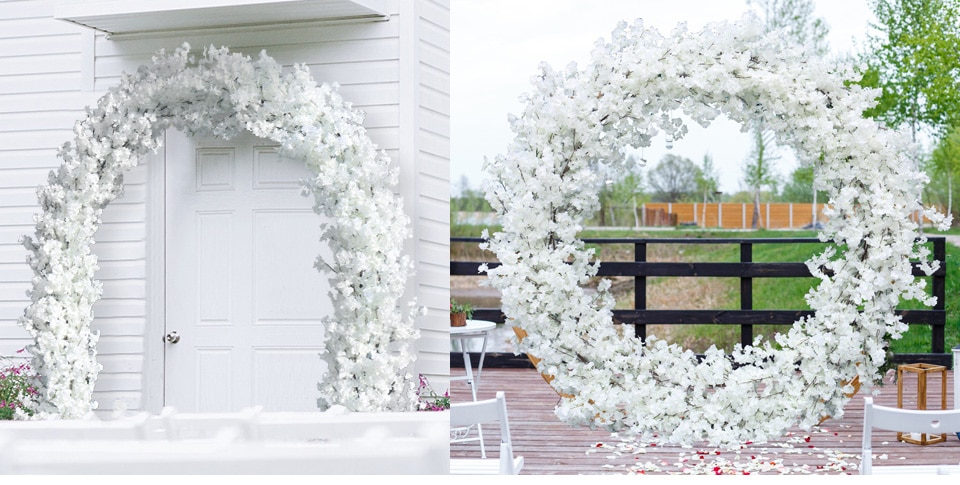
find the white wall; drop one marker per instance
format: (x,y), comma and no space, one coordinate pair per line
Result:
(397,71)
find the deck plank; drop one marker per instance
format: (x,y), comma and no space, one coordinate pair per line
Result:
(550,447)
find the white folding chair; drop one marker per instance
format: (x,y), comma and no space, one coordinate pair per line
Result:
(488,411)
(907,421)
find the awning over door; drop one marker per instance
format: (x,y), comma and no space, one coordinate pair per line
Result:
(145,16)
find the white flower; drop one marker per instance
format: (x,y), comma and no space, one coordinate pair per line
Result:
(545,184)
(370,334)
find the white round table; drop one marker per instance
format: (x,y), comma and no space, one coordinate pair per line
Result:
(473,329)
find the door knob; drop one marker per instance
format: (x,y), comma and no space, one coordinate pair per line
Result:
(172,337)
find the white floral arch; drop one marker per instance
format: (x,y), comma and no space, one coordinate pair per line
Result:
(369,338)
(543,187)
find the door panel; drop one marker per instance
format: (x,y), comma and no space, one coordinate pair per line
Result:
(241,289)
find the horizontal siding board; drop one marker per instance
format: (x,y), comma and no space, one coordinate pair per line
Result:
(113,382)
(44,159)
(124,213)
(39,64)
(16,216)
(433,185)
(16,28)
(435,210)
(120,363)
(113,344)
(433,272)
(39,45)
(435,123)
(434,165)
(435,27)
(436,232)
(30,140)
(119,270)
(14,291)
(385,138)
(435,57)
(120,326)
(437,13)
(34,121)
(121,232)
(25,177)
(18,197)
(434,78)
(115,307)
(38,83)
(16,272)
(438,101)
(54,102)
(125,289)
(132,402)
(349,73)
(381,117)
(25,9)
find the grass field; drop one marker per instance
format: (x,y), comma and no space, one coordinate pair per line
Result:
(723,293)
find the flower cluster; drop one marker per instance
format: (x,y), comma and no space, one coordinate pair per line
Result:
(428,399)
(641,83)
(17,394)
(370,334)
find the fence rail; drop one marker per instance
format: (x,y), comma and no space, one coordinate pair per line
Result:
(746,270)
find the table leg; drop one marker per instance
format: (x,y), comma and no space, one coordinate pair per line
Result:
(473,389)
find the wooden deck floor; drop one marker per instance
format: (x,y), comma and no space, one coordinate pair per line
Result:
(551,447)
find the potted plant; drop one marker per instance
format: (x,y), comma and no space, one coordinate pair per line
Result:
(459,313)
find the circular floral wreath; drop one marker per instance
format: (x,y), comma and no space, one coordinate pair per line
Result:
(368,344)
(577,120)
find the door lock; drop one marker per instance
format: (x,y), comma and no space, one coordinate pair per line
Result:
(172,337)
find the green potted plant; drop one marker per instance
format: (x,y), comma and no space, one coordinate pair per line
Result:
(459,313)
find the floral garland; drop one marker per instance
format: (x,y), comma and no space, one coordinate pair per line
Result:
(578,120)
(369,340)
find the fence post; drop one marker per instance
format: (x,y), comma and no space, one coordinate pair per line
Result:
(791,215)
(746,293)
(743,216)
(937,338)
(640,288)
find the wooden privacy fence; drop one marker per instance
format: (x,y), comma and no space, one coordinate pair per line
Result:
(730,215)
(746,270)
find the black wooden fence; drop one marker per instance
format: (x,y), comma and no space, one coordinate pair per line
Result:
(746,317)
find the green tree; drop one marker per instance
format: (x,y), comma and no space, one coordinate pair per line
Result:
(708,183)
(797,25)
(622,196)
(758,172)
(674,179)
(799,187)
(945,162)
(914,58)
(795,18)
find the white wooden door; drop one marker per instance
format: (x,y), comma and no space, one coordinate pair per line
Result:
(242,294)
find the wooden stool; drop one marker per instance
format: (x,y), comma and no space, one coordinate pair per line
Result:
(921,370)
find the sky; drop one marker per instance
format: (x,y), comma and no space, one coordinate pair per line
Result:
(496,46)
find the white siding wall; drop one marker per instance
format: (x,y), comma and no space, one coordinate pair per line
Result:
(369,60)
(39,101)
(425,126)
